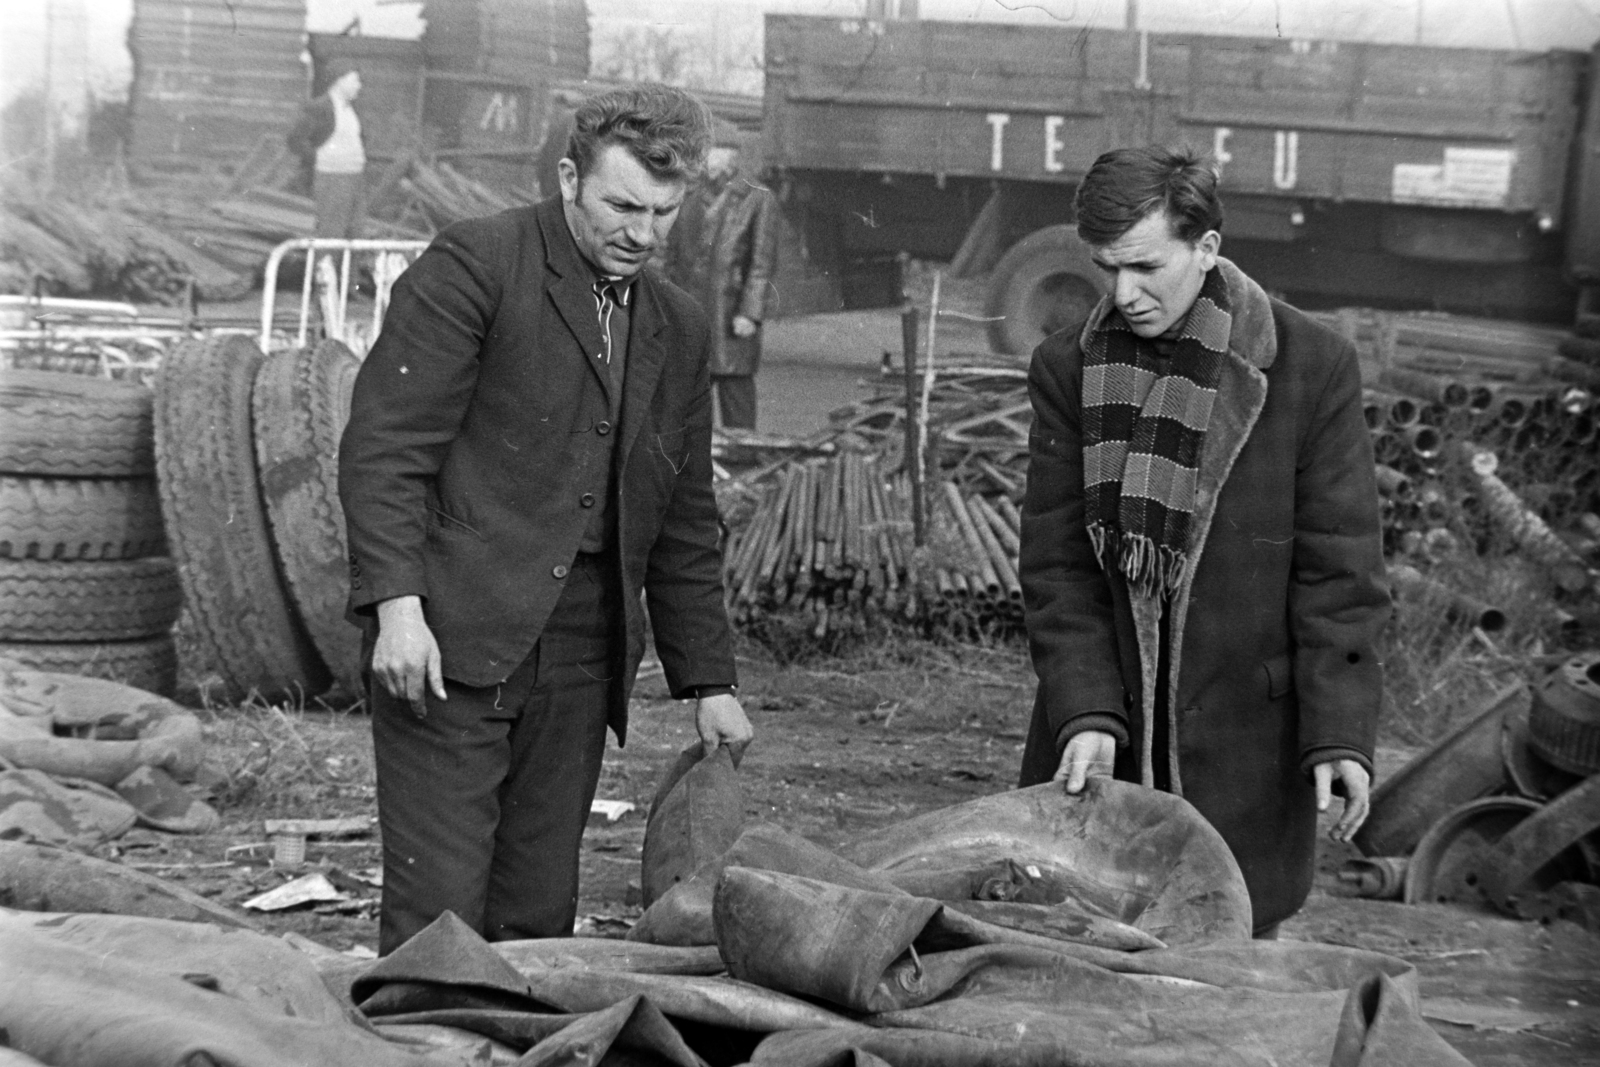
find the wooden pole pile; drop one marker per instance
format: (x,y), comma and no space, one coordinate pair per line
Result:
(977,423)
(832,544)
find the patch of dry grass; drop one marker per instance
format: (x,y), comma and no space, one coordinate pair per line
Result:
(1439,668)
(283,760)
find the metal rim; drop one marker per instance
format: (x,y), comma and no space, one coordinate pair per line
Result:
(1442,850)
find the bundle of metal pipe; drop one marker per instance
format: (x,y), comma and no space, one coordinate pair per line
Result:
(832,545)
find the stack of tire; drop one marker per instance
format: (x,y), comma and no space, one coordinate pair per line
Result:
(86,586)
(247,453)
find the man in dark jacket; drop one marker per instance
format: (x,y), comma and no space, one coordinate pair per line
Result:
(1201,564)
(723,253)
(529,447)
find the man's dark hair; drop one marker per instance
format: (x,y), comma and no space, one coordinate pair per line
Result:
(1126,184)
(665,129)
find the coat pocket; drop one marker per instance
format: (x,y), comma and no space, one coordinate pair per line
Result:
(670,450)
(444,522)
(1280,675)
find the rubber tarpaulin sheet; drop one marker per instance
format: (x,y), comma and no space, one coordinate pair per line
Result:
(865,958)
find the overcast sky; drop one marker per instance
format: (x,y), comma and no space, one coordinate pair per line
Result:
(85,40)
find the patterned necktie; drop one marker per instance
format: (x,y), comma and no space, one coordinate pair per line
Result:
(607,297)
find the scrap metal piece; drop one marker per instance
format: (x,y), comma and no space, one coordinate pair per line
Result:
(1460,767)
(1522,860)
(1380,878)
(1529,773)
(1445,868)
(1564,723)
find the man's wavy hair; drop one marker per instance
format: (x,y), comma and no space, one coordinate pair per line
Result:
(1126,184)
(665,129)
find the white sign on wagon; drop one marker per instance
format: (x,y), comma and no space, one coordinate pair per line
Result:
(1468,177)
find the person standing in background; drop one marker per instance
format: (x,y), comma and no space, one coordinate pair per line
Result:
(723,253)
(327,138)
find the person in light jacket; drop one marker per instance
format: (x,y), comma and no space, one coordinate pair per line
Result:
(327,138)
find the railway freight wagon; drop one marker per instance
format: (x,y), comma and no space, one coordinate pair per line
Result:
(1463,180)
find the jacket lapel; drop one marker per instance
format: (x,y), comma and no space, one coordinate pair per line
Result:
(646,353)
(569,282)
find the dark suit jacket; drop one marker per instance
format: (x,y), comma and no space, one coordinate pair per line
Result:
(312,128)
(470,454)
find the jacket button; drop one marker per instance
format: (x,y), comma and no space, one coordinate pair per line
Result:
(559,570)
(603,428)
(586,500)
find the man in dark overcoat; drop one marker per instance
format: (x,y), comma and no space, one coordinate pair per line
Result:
(723,253)
(1201,566)
(528,449)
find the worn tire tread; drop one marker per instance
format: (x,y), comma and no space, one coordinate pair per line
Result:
(217,525)
(72,425)
(80,518)
(301,404)
(110,600)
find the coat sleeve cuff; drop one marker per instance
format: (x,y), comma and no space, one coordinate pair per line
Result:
(1104,721)
(1329,753)
(704,688)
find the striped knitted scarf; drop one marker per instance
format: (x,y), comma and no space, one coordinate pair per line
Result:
(1144,420)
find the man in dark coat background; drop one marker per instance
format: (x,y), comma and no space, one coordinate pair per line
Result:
(528,449)
(1201,561)
(723,253)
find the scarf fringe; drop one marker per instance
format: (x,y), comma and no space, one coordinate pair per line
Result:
(1151,570)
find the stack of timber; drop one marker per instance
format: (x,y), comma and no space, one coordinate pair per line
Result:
(978,419)
(102,245)
(830,551)
(201,236)
(436,194)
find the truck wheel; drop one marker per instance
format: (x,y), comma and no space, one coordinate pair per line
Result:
(301,403)
(74,426)
(1044,283)
(217,526)
(150,664)
(79,518)
(115,600)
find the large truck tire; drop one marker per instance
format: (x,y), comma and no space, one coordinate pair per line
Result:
(244,624)
(69,425)
(150,664)
(1046,282)
(80,518)
(301,404)
(109,600)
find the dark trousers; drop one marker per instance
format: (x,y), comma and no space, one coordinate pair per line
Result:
(483,801)
(736,400)
(338,204)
